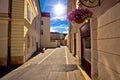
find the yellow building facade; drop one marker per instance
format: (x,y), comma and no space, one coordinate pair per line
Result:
(103,54)
(46,41)
(19,30)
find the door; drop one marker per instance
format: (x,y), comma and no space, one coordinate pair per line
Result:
(74,44)
(86,48)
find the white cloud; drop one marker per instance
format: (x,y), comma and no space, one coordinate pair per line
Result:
(65,31)
(53,30)
(62,18)
(60,28)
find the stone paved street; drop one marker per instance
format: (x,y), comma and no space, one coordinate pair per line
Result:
(54,64)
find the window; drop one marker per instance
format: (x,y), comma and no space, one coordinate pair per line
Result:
(28,12)
(87,49)
(41,32)
(32,17)
(28,42)
(41,22)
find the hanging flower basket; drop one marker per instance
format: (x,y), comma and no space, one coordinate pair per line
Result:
(79,15)
(79,20)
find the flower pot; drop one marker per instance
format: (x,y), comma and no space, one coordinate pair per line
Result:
(79,20)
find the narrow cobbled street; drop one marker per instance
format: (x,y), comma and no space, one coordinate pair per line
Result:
(53,64)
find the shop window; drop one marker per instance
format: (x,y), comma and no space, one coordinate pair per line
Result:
(87,49)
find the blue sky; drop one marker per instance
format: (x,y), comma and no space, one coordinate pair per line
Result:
(58,22)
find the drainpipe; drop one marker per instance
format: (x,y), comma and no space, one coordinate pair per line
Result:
(9,33)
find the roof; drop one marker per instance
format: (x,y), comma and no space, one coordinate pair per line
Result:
(54,32)
(45,14)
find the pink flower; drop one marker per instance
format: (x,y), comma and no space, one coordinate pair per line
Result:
(81,13)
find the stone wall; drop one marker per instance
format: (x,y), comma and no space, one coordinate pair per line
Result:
(105,45)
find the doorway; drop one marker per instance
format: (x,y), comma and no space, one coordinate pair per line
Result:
(74,44)
(36,46)
(86,48)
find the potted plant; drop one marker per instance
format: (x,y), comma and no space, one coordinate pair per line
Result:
(79,15)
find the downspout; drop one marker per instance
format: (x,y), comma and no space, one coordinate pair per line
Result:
(9,33)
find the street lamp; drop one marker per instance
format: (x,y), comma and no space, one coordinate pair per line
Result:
(91,3)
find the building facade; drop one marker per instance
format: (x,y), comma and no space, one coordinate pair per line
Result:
(19,30)
(96,44)
(46,41)
(59,38)
(55,38)
(45,29)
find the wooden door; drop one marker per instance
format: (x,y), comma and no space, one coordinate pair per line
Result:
(86,48)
